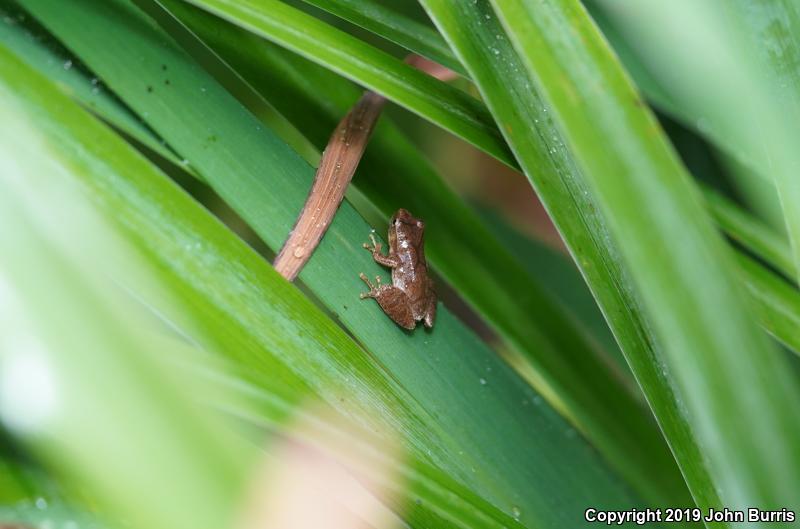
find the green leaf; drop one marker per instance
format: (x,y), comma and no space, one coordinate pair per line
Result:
(38,49)
(266,182)
(33,498)
(750,232)
(687,285)
(609,178)
(753,122)
(775,302)
(62,326)
(758,192)
(561,278)
(230,80)
(47,514)
(434,100)
(394,26)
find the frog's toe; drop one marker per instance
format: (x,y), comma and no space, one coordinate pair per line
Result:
(365,279)
(430,314)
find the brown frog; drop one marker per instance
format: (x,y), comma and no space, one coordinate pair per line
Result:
(411,297)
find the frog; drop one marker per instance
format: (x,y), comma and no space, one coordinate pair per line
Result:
(411,297)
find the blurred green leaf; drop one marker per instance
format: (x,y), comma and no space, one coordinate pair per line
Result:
(53,346)
(30,497)
(758,192)
(750,232)
(747,51)
(47,515)
(776,303)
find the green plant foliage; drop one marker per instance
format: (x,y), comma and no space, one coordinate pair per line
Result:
(584,384)
(434,100)
(394,26)
(465,391)
(755,122)
(663,278)
(212,277)
(155,369)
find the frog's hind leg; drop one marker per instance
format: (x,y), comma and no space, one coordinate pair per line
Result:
(365,279)
(392,300)
(373,289)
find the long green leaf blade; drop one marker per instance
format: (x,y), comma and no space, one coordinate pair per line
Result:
(687,285)
(61,326)
(775,301)
(750,232)
(434,100)
(394,26)
(39,50)
(519,112)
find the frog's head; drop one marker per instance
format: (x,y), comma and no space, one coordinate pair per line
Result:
(406,228)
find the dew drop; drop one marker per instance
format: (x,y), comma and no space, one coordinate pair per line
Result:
(299,252)
(41,504)
(483,381)
(67,64)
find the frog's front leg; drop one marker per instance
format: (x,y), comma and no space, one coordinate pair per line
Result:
(385,260)
(392,300)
